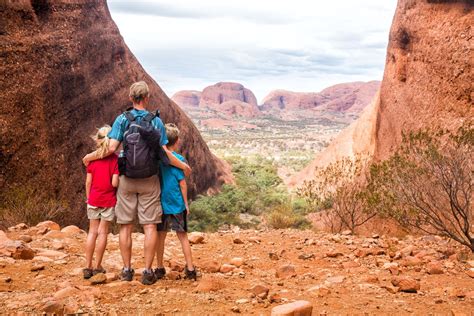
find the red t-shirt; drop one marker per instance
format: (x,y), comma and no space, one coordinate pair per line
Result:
(102,193)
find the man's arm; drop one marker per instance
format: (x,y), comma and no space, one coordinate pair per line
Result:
(115,180)
(177,163)
(88,185)
(184,192)
(113,145)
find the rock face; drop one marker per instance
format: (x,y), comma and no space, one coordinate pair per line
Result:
(344,97)
(427,82)
(187,98)
(232,98)
(69,72)
(428,72)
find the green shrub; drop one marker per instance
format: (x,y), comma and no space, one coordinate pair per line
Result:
(284,216)
(257,191)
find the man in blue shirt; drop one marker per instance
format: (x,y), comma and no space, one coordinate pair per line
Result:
(138,196)
(175,207)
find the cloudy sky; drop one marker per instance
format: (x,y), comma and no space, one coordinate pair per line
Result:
(298,45)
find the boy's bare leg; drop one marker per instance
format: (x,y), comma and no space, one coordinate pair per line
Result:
(183,239)
(101,242)
(125,242)
(90,242)
(150,244)
(160,249)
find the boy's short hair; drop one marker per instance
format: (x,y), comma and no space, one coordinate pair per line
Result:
(139,91)
(172,133)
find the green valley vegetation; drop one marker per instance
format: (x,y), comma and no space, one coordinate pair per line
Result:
(258,197)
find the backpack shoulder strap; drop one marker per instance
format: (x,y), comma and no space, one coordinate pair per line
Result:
(157,113)
(149,117)
(129,116)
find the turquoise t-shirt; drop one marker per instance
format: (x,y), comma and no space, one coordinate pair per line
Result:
(121,124)
(172,200)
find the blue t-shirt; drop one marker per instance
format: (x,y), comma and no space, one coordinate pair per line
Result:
(172,200)
(121,124)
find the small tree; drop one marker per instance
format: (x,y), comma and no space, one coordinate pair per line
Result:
(340,188)
(428,184)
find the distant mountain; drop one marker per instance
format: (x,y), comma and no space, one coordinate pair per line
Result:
(344,97)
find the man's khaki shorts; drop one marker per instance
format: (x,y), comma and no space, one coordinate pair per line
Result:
(105,213)
(138,196)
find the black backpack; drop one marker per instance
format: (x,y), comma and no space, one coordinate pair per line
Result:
(139,159)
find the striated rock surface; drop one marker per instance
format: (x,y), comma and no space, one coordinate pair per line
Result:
(352,96)
(68,72)
(427,82)
(429,70)
(187,98)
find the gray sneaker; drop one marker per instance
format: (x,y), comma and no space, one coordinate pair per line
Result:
(127,274)
(148,277)
(160,273)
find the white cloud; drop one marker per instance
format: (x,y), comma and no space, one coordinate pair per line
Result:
(296,45)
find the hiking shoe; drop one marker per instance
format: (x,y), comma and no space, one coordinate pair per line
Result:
(190,275)
(160,273)
(99,270)
(127,274)
(148,277)
(88,273)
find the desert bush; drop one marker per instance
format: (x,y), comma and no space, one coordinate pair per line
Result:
(339,189)
(284,216)
(24,205)
(428,184)
(258,191)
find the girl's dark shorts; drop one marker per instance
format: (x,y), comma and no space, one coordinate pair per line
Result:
(177,222)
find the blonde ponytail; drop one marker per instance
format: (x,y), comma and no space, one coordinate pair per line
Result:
(102,140)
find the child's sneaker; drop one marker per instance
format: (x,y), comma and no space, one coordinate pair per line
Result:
(160,273)
(148,277)
(190,275)
(88,273)
(127,274)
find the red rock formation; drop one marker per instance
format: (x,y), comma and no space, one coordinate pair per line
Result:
(427,82)
(67,71)
(217,95)
(352,96)
(187,98)
(428,79)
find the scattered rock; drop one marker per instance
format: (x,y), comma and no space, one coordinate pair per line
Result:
(19,227)
(434,268)
(319,291)
(3,237)
(238,262)
(334,254)
(67,292)
(176,266)
(99,278)
(242,301)
(470,272)
(286,271)
(110,276)
(173,275)
(55,234)
(391,289)
(273,256)
(53,307)
(37,267)
(211,266)
(53,254)
(16,249)
(72,230)
(25,238)
(227,268)
(49,224)
(346,232)
(196,238)
(260,290)
(306,256)
(300,308)
(238,241)
(210,283)
(235,309)
(350,264)
(406,284)
(335,279)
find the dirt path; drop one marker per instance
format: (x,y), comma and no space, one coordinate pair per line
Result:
(338,274)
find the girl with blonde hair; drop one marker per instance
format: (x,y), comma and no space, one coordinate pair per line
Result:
(101,187)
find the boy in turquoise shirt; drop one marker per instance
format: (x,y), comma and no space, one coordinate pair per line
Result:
(175,207)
